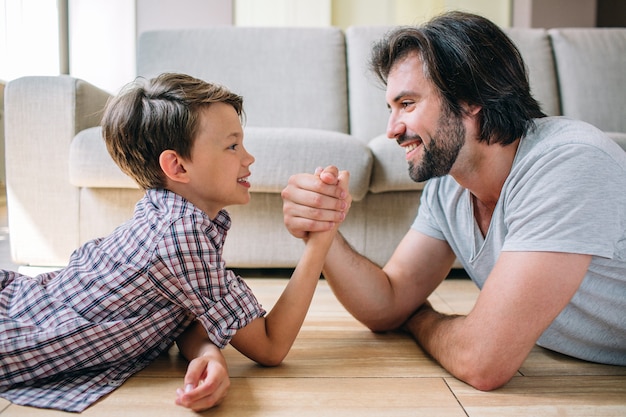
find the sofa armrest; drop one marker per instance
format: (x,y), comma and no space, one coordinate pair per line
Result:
(42,116)
(91,165)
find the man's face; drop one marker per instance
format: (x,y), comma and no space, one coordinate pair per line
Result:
(420,122)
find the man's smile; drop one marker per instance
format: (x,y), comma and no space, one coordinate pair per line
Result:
(410,146)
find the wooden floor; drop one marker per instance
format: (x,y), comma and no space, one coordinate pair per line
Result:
(339,368)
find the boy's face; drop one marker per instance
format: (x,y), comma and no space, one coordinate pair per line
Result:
(218,170)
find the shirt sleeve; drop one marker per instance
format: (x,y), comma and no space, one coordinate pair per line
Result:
(194,276)
(431,210)
(570,200)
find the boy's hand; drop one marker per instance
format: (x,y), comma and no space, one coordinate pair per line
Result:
(206,382)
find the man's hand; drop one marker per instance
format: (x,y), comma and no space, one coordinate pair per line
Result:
(206,381)
(316,202)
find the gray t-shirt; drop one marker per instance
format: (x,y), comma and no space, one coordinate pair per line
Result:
(566,192)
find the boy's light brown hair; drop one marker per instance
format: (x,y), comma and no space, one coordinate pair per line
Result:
(151,116)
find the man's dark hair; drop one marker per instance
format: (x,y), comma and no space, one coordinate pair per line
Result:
(470,61)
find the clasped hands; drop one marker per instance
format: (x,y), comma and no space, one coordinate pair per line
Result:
(316,202)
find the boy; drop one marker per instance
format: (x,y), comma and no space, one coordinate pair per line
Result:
(71,336)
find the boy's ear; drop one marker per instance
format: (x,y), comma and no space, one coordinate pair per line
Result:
(173,166)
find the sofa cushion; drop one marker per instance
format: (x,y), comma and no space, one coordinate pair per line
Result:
(282,152)
(279,153)
(391,170)
(534,45)
(368,108)
(591,68)
(289,77)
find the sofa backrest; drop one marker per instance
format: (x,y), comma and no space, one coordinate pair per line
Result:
(591,68)
(535,47)
(368,110)
(289,77)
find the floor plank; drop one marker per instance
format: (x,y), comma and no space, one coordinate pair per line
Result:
(543,362)
(566,396)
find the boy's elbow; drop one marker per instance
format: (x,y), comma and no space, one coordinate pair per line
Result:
(381,325)
(271,359)
(270,363)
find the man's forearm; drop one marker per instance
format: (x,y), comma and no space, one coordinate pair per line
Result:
(450,341)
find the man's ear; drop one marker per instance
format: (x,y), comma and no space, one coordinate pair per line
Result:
(173,166)
(471,109)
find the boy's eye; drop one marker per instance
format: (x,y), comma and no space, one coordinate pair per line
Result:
(233,146)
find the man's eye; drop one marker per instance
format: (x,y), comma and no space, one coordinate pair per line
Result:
(406,104)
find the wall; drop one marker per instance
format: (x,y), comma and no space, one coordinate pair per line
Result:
(611,13)
(408,12)
(554,13)
(102,42)
(182,14)
(282,12)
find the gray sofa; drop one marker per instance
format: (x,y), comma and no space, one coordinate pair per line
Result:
(309,100)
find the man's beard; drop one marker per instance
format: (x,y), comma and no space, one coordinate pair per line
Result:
(442,151)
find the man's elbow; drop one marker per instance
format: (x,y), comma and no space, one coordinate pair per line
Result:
(490,383)
(485,377)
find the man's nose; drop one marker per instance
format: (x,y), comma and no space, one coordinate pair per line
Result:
(395,127)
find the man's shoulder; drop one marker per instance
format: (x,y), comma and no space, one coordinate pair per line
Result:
(561,135)
(563,130)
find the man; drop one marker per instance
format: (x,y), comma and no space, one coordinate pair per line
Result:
(533,207)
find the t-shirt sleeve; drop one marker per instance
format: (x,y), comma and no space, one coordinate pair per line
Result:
(427,220)
(195,277)
(562,203)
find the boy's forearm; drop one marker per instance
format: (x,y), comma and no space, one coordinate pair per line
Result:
(269,339)
(287,316)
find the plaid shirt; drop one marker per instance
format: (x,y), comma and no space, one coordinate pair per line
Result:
(72,336)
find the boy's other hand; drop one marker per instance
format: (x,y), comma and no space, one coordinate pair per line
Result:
(206,382)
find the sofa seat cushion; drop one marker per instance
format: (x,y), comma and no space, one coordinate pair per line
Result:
(391,170)
(279,153)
